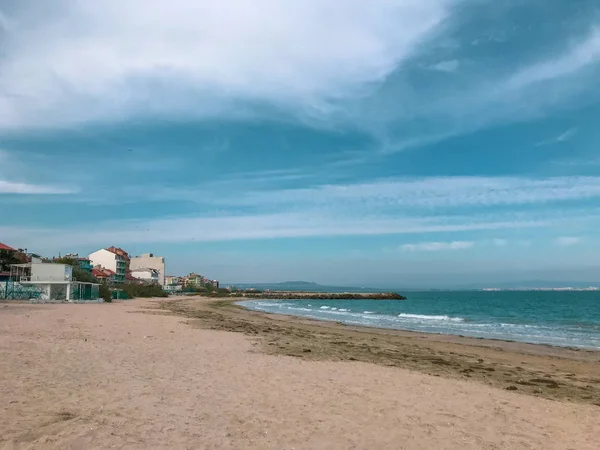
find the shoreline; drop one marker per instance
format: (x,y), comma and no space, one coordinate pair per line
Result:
(543,344)
(305,295)
(184,373)
(540,370)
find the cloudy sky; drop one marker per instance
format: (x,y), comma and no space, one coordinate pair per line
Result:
(381,142)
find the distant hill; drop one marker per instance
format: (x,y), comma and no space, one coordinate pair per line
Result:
(305,286)
(309,286)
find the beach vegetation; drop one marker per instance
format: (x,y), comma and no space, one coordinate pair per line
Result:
(143,290)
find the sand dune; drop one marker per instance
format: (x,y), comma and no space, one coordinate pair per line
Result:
(112,376)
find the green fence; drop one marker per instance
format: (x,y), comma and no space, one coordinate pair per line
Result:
(118,294)
(85,291)
(9,290)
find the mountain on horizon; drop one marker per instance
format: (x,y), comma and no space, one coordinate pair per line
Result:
(311,286)
(308,286)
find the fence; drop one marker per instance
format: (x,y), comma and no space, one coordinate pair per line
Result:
(10,290)
(55,292)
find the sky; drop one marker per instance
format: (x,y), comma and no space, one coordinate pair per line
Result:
(386,143)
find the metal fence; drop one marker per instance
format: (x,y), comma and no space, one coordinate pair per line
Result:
(10,290)
(80,292)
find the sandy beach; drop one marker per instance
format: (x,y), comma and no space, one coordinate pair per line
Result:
(192,374)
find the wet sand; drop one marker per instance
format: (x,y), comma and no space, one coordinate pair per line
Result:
(539,370)
(150,374)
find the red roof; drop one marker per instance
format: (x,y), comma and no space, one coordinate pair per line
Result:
(118,251)
(6,247)
(102,273)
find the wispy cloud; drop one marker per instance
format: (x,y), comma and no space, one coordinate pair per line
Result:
(200,59)
(445,66)
(7,187)
(437,246)
(568,240)
(563,137)
(578,57)
(250,227)
(433,192)
(510,96)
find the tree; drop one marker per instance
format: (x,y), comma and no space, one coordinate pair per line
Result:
(7,258)
(85,277)
(105,293)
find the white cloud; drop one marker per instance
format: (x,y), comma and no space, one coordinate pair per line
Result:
(563,137)
(7,187)
(580,56)
(437,246)
(119,58)
(500,242)
(568,240)
(446,66)
(488,99)
(431,192)
(249,227)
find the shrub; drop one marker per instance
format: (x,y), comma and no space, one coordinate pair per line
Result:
(105,293)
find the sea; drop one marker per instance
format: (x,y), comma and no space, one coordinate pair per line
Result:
(558,318)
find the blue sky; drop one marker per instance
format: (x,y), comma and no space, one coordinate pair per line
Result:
(389,142)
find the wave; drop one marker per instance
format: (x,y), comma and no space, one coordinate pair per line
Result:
(438,318)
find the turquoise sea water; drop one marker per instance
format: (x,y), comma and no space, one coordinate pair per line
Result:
(570,318)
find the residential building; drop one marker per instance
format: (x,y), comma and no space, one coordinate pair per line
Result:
(212,283)
(171,288)
(119,251)
(172,280)
(49,282)
(7,257)
(112,260)
(148,260)
(83,263)
(104,276)
(145,274)
(131,279)
(194,280)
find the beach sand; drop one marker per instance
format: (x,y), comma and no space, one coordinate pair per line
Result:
(130,375)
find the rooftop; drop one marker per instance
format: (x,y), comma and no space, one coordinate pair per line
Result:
(6,247)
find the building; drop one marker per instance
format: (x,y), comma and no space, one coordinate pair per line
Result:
(172,288)
(48,282)
(194,280)
(7,257)
(83,263)
(212,283)
(172,280)
(119,251)
(149,261)
(112,260)
(145,274)
(104,276)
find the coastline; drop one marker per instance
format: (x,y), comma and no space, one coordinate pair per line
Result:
(295,295)
(135,374)
(540,370)
(459,333)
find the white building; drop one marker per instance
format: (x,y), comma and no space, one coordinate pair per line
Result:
(50,282)
(146,274)
(149,261)
(110,260)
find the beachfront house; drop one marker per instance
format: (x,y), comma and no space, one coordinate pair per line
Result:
(147,275)
(111,259)
(45,281)
(103,275)
(149,261)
